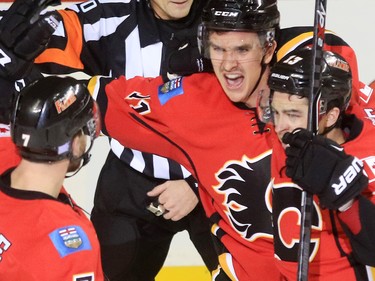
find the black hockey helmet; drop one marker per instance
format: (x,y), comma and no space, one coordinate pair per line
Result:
(48,114)
(292,75)
(238,15)
(246,15)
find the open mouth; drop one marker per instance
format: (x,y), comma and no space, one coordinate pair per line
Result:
(233,81)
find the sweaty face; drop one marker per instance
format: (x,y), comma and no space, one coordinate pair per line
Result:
(236,58)
(289,112)
(171,9)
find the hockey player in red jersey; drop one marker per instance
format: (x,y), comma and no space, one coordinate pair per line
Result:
(214,133)
(146,38)
(43,234)
(337,165)
(241,220)
(220,140)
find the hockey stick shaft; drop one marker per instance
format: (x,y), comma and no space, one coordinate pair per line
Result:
(312,125)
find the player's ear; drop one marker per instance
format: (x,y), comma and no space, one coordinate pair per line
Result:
(332,116)
(78,144)
(269,52)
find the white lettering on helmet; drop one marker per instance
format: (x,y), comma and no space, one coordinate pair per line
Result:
(280,76)
(226,14)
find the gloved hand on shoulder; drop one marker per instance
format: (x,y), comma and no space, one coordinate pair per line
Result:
(183,58)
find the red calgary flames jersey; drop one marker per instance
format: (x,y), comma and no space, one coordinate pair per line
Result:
(192,121)
(42,238)
(327,238)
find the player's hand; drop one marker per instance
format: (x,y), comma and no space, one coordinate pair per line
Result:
(183,58)
(177,198)
(24,34)
(320,166)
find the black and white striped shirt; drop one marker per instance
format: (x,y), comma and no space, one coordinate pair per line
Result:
(120,37)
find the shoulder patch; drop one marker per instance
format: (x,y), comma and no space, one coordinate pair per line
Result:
(69,240)
(170,89)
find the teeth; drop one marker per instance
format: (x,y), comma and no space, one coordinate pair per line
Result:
(232,76)
(233,79)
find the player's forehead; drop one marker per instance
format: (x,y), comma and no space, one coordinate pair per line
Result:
(232,39)
(286,102)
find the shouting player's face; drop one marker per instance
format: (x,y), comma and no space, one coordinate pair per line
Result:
(236,58)
(171,9)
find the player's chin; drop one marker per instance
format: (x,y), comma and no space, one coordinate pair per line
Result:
(235,95)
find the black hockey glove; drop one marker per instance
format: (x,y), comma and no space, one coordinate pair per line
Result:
(183,58)
(320,166)
(24,34)
(186,60)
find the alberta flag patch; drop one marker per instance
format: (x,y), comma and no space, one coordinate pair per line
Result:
(170,89)
(70,240)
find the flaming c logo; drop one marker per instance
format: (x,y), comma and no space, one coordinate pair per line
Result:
(246,189)
(286,218)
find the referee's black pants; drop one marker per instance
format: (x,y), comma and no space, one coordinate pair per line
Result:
(134,242)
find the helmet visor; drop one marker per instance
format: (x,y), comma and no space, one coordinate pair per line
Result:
(231,45)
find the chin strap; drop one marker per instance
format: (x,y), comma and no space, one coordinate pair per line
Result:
(337,124)
(263,69)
